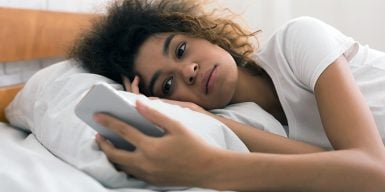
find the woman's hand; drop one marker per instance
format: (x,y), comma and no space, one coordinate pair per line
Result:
(131,87)
(189,105)
(177,158)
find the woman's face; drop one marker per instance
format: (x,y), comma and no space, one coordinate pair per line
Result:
(179,67)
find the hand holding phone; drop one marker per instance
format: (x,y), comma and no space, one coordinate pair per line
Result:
(104,98)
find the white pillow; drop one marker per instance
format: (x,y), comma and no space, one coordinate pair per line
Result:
(252,114)
(45,106)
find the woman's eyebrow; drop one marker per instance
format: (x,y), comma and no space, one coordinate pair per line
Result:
(166,45)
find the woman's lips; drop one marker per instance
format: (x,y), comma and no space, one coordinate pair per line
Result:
(208,80)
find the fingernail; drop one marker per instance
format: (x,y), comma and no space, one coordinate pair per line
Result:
(98,138)
(97,117)
(139,103)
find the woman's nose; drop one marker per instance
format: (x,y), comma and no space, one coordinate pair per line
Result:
(190,72)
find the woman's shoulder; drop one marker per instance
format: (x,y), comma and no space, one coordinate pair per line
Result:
(296,29)
(303,19)
(302,24)
(304,29)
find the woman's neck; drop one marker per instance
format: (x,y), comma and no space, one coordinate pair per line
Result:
(260,90)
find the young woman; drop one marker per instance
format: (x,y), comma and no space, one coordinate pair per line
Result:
(325,87)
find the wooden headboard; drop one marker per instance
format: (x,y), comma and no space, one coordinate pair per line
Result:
(35,34)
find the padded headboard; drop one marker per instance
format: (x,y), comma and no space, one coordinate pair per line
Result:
(35,34)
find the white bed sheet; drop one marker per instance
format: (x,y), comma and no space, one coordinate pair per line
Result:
(62,152)
(26,165)
(45,107)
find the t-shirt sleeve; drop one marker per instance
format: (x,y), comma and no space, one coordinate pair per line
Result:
(310,45)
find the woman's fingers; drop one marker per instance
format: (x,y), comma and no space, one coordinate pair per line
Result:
(135,85)
(131,86)
(123,129)
(126,83)
(115,155)
(180,103)
(189,105)
(168,124)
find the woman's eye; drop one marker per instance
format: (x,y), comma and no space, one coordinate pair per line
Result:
(180,50)
(167,86)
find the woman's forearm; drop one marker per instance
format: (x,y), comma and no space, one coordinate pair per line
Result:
(345,170)
(255,139)
(261,141)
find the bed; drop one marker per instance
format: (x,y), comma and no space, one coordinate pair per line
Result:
(33,34)
(43,145)
(26,165)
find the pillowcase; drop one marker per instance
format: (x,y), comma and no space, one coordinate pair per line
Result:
(45,107)
(252,114)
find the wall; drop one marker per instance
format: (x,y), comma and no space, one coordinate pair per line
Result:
(57,5)
(361,19)
(364,20)
(17,72)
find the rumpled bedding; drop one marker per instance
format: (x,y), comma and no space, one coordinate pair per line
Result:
(45,108)
(27,166)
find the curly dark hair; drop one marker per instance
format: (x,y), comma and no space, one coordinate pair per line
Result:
(109,47)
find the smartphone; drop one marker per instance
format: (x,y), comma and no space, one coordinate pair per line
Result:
(102,97)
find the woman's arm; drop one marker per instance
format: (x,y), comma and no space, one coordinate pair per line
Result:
(358,164)
(261,141)
(255,139)
(347,120)
(180,158)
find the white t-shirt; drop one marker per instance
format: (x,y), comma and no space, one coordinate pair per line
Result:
(298,53)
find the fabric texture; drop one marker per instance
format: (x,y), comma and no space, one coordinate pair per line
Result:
(27,166)
(297,54)
(46,106)
(252,114)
